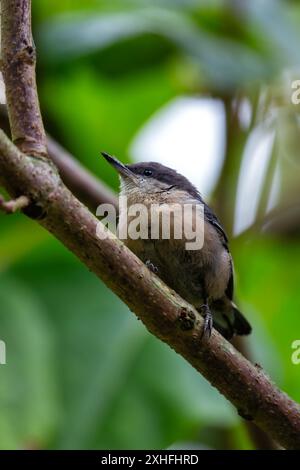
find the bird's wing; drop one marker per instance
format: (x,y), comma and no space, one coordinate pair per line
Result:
(213,220)
(230,285)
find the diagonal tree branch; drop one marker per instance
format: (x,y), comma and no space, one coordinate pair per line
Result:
(164,313)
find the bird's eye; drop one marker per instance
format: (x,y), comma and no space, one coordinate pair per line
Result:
(147,172)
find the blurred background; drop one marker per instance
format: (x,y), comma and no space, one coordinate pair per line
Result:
(204,87)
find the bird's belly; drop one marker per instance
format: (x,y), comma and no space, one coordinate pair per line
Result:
(196,275)
(193,275)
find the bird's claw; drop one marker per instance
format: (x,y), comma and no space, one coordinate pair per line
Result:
(208,322)
(151,267)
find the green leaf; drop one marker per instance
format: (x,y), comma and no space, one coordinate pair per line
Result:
(223,61)
(28,405)
(268,286)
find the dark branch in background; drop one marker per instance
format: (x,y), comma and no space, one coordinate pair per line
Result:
(225,193)
(18,68)
(81,181)
(162,311)
(87,187)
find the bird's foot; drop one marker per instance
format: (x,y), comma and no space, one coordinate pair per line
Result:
(151,267)
(208,322)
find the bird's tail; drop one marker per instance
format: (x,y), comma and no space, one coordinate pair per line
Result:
(228,320)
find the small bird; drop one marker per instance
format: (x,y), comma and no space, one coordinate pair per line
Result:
(202,277)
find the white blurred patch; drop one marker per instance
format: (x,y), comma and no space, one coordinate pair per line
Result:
(2,90)
(275,189)
(188,135)
(245,113)
(257,154)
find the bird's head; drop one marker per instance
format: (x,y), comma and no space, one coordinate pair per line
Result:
(150,178)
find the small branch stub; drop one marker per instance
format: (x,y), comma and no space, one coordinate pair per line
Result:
(14,205)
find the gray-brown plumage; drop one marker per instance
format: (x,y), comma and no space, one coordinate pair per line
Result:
(203,277)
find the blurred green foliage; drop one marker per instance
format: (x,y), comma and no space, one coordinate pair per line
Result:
(81,371)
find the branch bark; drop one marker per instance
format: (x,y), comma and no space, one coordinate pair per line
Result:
(18,68)
(164,313)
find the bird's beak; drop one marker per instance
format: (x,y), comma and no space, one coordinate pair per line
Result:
(122,169)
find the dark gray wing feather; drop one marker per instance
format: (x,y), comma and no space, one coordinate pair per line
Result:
(230,286)
(213,220)
(235,322)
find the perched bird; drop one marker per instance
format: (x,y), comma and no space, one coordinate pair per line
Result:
(203,277)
